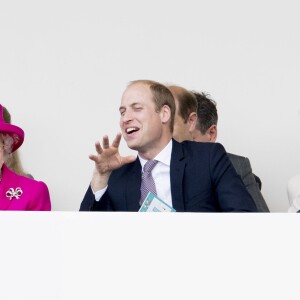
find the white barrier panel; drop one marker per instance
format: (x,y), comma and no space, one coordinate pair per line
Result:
(83,255)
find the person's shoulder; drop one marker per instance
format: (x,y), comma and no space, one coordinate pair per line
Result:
(30,181)
(202,148)
(28,175)
(237,157)
(240,162)
(243,166)
(203,145)
(24,180)
(198,145)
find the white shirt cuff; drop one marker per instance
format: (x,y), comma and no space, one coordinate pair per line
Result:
(98,194)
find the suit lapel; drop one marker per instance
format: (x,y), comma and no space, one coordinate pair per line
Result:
(176,176)
(133,192)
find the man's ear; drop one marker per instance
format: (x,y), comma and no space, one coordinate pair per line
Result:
(212,131)
(165,114)
(192,121)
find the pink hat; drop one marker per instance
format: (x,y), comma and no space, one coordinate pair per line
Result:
(14,131)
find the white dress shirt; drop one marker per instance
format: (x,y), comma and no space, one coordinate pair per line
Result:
(160,174)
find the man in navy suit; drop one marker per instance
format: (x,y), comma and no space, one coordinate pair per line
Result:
(190,177)
(196,119)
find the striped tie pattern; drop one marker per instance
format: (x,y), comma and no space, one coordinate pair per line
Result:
(148,184)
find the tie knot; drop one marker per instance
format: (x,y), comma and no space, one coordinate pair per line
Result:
(149,165)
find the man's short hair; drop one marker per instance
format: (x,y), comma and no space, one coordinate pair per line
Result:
(206,112)
(187,102)
(161,96)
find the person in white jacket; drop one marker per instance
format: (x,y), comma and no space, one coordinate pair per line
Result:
(293,191)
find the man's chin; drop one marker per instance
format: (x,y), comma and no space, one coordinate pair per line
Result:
(132,145)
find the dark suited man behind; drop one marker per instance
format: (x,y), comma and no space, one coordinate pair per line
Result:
(196,120)
(190,177)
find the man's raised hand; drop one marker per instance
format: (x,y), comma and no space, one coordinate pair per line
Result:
(108,158)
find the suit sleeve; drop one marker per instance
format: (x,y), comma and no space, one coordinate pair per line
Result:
(90,204)
(252,186)
(230,190)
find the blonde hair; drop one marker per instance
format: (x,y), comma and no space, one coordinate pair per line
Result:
(14,163)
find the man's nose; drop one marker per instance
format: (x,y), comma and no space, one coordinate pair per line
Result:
(127,117)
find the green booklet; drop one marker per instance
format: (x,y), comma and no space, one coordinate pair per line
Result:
(154,204)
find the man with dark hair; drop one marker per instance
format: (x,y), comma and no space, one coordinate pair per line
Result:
(199,123)
(187,177)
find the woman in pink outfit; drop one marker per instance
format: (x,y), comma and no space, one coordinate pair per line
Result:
(18,192)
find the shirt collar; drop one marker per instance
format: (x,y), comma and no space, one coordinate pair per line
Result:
(164,156)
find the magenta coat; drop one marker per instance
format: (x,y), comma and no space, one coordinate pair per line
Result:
(21,193)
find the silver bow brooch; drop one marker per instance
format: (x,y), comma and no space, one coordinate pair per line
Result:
(11,193)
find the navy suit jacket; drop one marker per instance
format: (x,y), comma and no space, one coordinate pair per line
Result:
(202,180)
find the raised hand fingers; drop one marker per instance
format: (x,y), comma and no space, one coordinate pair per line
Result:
(116,141)
(93,157)
(107,157)
(98,148)
(106,151)
(105,142)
